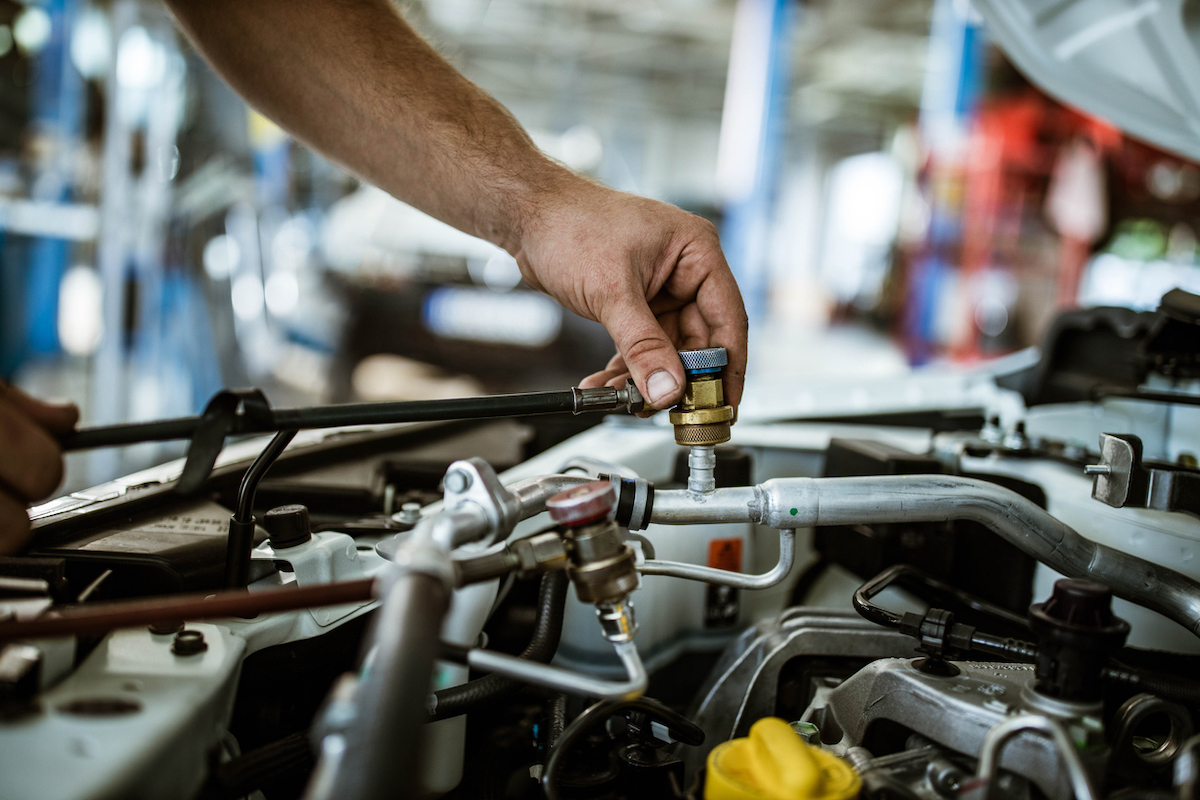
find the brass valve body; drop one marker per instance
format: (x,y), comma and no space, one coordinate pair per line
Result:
(602,567)
(702,419)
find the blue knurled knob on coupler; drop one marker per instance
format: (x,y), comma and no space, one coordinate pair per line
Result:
(708,361)
(702,418)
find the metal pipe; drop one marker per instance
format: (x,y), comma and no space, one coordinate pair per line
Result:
(733,504)
(562,680)
(805,502)
(532,493)
(702,465)
(449,529)
(723,577)
(1001,733)
(380,757)
(469,521)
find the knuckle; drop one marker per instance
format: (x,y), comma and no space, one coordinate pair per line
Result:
(644,347)
(706,229)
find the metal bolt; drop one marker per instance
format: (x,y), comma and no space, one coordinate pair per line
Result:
(457,481)
(189,643)
(1097,469)
(1017,440)
(410,513)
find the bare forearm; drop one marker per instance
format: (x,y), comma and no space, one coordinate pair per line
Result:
(355,82)
(352,80)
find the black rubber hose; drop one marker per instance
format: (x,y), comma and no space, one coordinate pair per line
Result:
(547,631)
(682,730)
(258,769)
(254,475)
(558,720)
(486,407)
(1169,687)
(241,524)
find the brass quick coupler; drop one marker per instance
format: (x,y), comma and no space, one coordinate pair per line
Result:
(602,567)
(703,418)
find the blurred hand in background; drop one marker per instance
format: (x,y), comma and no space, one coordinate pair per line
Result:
(31,464)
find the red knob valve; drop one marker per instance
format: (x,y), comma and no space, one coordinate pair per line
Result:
(583,505)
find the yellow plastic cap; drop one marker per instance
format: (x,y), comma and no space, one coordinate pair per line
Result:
(774,763)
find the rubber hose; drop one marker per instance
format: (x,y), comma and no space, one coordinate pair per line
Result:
(1170,687)
(552,601)
(261,767)
(681,728)
(558,720)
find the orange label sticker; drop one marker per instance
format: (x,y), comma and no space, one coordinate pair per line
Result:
(725,554)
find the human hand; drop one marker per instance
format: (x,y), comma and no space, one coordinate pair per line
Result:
(651,273)
(31,465)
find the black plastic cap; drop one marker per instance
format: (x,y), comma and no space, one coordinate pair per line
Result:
(1080,603)
(1077,632)
(287,526)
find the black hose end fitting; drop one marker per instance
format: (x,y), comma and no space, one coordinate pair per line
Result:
(237,551)
(1077,632)
(940,636)
(635,501)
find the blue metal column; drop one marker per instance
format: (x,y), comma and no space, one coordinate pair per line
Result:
(753,128)
(57,116)
(953,85)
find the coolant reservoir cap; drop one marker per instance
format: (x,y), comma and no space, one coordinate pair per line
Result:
(287,526)
(582,505)
(774,763)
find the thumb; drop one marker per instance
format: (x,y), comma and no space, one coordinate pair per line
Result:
(54,417)
(647,351)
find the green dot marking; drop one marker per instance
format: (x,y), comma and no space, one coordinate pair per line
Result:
(795,511)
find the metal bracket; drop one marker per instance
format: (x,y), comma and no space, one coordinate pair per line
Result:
(1123,480)
(473,481)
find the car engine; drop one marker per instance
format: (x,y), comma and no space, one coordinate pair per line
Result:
(982,584)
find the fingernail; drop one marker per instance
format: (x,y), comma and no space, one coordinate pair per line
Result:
(661,387)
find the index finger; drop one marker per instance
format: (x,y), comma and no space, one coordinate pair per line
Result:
(720,303)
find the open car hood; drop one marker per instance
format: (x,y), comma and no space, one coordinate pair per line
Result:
(1136,63)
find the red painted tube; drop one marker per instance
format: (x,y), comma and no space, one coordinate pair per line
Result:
(99,618)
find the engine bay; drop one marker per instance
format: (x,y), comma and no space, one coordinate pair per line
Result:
(995,595)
